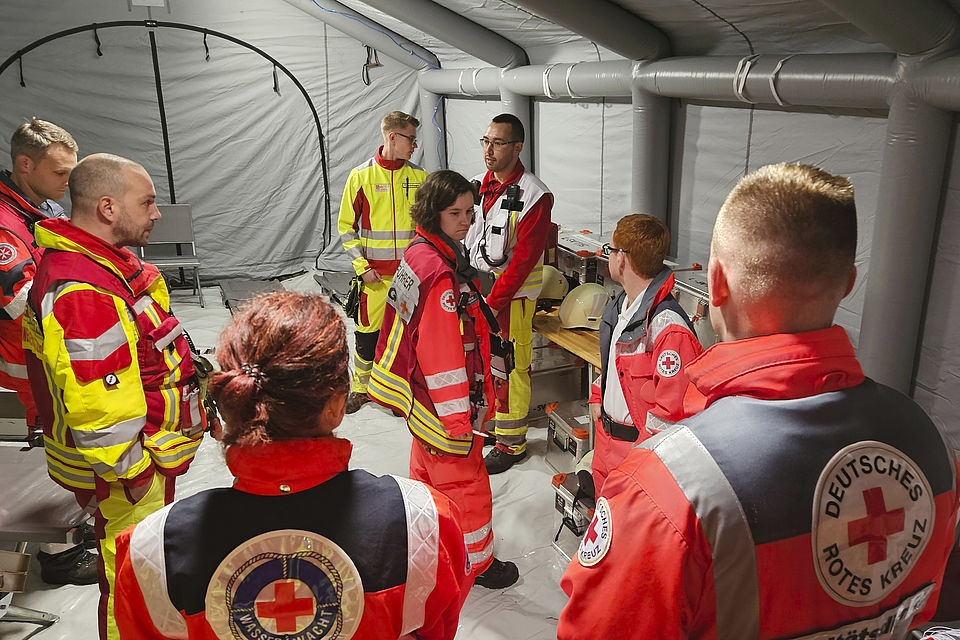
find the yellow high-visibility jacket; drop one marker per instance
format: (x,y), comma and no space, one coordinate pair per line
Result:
(375,224)
(110,368)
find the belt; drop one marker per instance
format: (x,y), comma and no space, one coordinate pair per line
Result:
(618,430)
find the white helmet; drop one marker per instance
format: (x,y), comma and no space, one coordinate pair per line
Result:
(555,286)
(583,307)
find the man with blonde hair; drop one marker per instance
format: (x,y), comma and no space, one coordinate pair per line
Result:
(110,368)
(42,156)
(805,500)
(375,228)
(646,341)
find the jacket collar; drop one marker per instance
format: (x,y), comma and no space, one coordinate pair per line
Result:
(655,293)
(781,366)
(306,462)
(61,234)
(453,253)
(494,188)
(389,165)
(10,189)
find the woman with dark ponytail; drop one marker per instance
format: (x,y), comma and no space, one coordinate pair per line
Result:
(299,546)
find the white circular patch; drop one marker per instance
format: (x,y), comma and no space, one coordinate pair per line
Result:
(284,584)
(7,253)
(596,541)
(873,514)
(668,364)
(448,301)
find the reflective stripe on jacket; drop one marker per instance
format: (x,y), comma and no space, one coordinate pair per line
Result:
(430,358)
(110,368)
(374,223)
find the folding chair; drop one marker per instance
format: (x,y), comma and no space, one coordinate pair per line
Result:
(171,244)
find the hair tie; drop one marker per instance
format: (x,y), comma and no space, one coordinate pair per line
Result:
(253,371)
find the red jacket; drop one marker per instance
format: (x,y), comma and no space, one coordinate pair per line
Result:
(804,499)
(299,546)
(652,353)
(19,256)
(433,355)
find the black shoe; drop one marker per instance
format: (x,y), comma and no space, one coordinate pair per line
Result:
(86,535)
(499,575)
(356,400)
(73,566)
(498,460)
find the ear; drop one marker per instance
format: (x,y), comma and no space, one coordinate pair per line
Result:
(107,209)
(853,279)
(519,148)
(717,282)
(332,414)
(23,164)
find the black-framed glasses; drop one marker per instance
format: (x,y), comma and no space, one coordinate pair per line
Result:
(497,144)
(607,249)
(412,139)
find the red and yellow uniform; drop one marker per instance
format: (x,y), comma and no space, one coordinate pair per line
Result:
(430,367)
(18,264)
(114,383)
(514,241)
(375,227)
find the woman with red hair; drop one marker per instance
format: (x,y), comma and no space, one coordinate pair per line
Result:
(298,546)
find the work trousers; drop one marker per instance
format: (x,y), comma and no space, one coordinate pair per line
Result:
(465,481)
(373,300)
(512,396)
(608,453)
(113,514)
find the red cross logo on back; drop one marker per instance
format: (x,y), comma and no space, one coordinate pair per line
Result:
(592,532)
(875,526)
(286,607)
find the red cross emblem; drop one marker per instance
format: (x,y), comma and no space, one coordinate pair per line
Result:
(592,532)
(403,308)
(875,526)
(669,362)
(286,607)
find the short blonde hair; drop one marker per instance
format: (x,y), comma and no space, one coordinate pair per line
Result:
(96,176)
(32,139)
(397,120)
(789,227)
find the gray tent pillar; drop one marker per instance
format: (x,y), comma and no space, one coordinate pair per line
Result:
(914,157)
(651,153)
(430,134)
(518,105)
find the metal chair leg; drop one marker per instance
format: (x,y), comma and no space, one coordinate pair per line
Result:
(23,614)
(196,283)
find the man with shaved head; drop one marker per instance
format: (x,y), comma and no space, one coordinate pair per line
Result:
(804,500)
(109,365)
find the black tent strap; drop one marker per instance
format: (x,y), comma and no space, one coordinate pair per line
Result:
(276,81)
(206,48)
(96,38)
(163,116)
(22,83)
(17,56)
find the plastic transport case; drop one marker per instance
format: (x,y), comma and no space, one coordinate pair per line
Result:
(691,292)
(573,514)
(568,434)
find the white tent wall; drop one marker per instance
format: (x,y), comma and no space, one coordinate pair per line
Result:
(247,159)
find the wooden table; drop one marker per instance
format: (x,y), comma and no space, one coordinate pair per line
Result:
(582,343)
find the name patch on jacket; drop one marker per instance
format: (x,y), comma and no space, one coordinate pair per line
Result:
(404,293)
(873,515)
(283,584)
(381,188)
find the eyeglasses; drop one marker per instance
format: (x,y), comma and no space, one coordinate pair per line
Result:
(607,249)
(497,144)
(412,139)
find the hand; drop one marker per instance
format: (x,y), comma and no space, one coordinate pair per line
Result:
(595,411)
(370,276)
(136,494)
(459,430)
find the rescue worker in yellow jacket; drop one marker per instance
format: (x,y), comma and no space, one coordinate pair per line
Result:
(109,365)
(375,227)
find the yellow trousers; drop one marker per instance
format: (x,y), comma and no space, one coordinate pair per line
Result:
(513,395)
(373,300)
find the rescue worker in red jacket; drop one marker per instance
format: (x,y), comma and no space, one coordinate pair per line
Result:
(43,156)
(805,500)
(507,239)
(646,338)
(432,365)
(110,368)
(299,546)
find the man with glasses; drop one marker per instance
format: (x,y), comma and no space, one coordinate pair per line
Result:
(375,227)
(646,338)
(508,238)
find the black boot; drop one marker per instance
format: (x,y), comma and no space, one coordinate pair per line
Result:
(498,460)
(356,400)
(499,575)
(76,565)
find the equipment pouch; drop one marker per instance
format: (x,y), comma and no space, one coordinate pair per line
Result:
(501,357)
(351,305)
(203,368)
